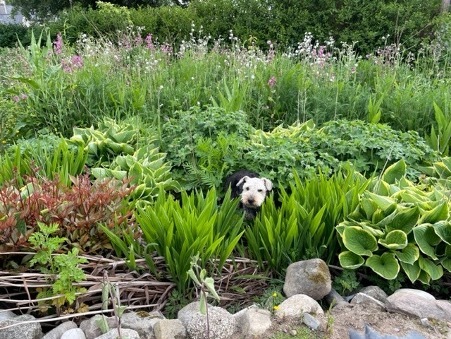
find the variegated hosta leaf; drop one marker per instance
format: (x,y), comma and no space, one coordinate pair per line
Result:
(438,213)
(426,239)
(394,240)
(443,230)
(359,241)
(433,270)
(386,265)
(411,270)
(409,254)
(405,219)
(395,172)
(350,260)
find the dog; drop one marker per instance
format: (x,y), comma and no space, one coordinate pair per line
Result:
(251,189)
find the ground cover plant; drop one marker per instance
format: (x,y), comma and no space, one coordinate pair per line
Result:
(124,145)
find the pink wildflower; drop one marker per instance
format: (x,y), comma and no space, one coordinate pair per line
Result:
(272,82)
(58,44)
(149,42)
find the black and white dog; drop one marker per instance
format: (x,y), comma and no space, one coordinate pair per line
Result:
(250,188)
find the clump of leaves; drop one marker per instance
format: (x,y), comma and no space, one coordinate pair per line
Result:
(398,227)
(189,137)
(63,268)
(77,210)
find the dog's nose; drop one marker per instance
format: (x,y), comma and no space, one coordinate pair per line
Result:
(250,201)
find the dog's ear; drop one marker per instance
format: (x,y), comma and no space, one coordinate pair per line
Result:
(242,180)
(268,184)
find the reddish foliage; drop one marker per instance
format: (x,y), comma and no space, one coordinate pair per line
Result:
(78,209)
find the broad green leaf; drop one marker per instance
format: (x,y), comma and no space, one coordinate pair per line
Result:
(443,230)
(424,277)
(359,241)
(433,270)
(395,172)
(409,254)
(438,213)
(426,239)
(210,283)
(386,204)
(405,219)
(350,260)
(446,263)
(412,270)
(394,240)
(386,265)
(371,228)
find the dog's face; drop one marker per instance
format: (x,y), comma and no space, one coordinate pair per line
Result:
(254,191)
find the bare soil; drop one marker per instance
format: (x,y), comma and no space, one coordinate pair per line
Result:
(340,320)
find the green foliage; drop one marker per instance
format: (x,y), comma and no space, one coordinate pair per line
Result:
(302,227)
(178,230)
(10,34)
(398,226)
(309,150)
(64,268)
(346,282)
(205,284)
(440,140)
(206,143)
(114,152)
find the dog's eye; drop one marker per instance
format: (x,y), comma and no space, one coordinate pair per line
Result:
(260,190)
(247,188)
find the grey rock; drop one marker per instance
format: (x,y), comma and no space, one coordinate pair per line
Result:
(6,314)
(362,298)
(370,333)
(91,326)
(309,277)
(73,333)
(334,299)
(58,331)
(253,322)
(376,292)
(418,303)
(125,333)
(314,323)
(169,329)
(294,307)
(142,325)
(222,324)
(21,330)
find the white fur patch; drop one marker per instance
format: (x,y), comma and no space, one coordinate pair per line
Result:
(254,191)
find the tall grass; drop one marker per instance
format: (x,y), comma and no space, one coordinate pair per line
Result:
(58,86)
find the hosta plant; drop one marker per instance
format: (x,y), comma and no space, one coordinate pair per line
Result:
(398,226)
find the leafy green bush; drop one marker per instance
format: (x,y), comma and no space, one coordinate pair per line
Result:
(203,144)
(398,226)
(309,150)
(11,34)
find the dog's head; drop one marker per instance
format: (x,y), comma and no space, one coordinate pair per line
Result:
(254,191)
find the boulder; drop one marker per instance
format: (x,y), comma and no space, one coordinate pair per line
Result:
(58,331)
(169,329)
(294,307)
(73,333)
(253,322)
(23,330)
(309,277)
(222,324)
(418,303)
